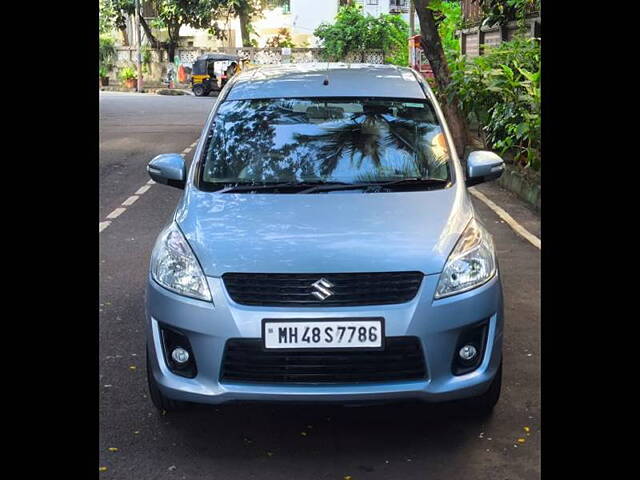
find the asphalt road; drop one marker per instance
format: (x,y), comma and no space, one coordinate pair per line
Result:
(286,442)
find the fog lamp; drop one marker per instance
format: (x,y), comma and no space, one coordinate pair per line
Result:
(180,355)
(468,352)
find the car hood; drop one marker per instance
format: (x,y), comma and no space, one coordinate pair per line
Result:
(345,231)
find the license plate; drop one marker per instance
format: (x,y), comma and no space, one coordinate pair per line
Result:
(304,334)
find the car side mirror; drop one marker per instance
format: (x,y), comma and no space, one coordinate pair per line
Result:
(483,166)
(168,169)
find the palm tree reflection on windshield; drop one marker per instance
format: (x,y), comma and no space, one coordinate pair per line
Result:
(257,141)
(369,135)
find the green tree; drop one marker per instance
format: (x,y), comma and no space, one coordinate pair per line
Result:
(448,18)
(173,14)
(434,51)
(246,11)
(113,15)
(353,32)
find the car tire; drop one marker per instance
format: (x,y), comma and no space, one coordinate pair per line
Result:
(198,90)
(483,404)
(160,401)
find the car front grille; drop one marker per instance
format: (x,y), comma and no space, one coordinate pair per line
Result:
(245,360)
(347,289)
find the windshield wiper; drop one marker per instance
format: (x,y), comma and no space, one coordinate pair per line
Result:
(250,187)
(379,186)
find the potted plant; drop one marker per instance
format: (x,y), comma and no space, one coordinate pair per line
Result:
(103,73)
(129,76)
(107,56)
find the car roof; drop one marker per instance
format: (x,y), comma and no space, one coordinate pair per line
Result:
(345,80)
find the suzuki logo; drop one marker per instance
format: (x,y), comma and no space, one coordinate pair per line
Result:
(322,287)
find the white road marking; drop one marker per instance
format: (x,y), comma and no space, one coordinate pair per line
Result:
(131,200)
(519,229)
(116,213)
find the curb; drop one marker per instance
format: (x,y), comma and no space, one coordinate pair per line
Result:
(148,91)
(525,188)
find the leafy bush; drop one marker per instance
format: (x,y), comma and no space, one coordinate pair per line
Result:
(107,51)
(353,32)
(501,91)
(102,71)
(127,73)
(281,40)
(498,12)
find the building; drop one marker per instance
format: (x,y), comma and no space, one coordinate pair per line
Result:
(299,17)
(475,37)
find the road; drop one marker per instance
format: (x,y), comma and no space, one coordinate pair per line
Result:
(286,442)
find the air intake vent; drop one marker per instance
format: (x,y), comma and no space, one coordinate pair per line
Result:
(246,361)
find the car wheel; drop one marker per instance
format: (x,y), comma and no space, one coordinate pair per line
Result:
(161,402)
(198,90)
(483,404)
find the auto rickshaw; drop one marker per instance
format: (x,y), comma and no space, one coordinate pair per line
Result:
(203,76)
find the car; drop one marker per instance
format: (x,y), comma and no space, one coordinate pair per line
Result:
(325,249)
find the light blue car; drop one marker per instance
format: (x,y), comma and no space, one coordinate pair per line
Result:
(325,249)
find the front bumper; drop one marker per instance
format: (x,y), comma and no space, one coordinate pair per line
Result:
(436,323)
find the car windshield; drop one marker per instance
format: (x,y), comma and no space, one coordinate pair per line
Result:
(321,140)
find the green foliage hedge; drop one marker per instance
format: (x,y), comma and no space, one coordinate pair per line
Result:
(501,91)
(353,32)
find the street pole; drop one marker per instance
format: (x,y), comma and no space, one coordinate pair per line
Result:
(138,41)
(412,20)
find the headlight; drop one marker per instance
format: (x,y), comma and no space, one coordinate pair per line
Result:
(174,266)
(472,262)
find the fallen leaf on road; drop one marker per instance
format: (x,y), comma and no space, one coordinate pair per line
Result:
(527,429)
(347,477)
(172,468)
(269,454)
(113,449)
(136,432)
(102,469)
(521,440)
(132,367)
(304,434)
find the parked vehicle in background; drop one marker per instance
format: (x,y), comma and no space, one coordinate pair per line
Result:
(203,74)
(325,249)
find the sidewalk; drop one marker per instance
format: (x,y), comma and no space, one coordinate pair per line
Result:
(525,184)
(522,212)
(153,89)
